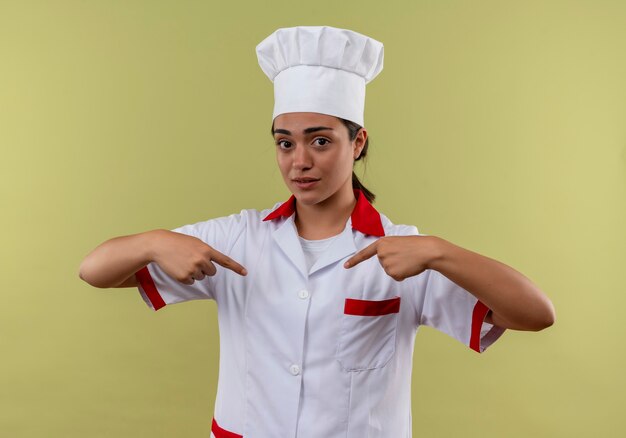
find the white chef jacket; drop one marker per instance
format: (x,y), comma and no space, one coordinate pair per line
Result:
(325,352)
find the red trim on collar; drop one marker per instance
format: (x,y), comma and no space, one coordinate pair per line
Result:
(286,209)
(365,218)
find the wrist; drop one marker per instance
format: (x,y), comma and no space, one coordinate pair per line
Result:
(437,252)
(149,243)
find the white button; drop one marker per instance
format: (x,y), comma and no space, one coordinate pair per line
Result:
(295,369)
(304,294)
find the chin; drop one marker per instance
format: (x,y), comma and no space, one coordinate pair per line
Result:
(308,197)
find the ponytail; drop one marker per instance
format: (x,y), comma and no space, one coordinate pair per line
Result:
(353,129)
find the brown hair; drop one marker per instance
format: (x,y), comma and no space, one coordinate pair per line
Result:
(353,129)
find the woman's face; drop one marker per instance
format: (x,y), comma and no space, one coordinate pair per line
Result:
(315,155)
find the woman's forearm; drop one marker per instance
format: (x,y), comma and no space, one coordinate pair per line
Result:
(515,302)
(116,259)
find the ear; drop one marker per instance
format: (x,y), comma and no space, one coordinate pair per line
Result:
(359,142)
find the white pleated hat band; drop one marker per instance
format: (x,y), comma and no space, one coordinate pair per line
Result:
(320,69)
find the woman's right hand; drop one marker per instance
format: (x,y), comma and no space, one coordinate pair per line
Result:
(187,259)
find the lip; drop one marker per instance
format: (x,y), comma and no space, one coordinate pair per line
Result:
(305,184)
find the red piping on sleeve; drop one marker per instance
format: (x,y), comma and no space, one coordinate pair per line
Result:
(222,433)
(478,316)
(146,282)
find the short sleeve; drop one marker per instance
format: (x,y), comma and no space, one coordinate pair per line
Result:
(449,308)
(158,289)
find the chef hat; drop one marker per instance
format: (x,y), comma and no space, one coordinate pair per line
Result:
(320,69)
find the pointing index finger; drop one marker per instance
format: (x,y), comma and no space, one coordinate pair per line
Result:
(364,254)
(228,263)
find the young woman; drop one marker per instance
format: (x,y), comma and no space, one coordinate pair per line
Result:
(320,297)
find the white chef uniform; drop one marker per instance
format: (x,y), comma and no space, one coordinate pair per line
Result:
(325,352)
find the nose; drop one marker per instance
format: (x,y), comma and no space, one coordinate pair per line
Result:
(301,158)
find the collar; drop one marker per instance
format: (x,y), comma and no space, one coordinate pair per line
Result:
(364,217)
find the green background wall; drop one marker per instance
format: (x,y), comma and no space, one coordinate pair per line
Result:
(497,125)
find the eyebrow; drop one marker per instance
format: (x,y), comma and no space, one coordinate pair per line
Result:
(305,131)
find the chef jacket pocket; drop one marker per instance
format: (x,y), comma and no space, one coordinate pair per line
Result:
(367,338)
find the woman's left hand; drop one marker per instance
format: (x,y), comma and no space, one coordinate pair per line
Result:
(515,301)
(400,256)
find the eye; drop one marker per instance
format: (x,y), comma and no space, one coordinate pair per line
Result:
(279,143)
(324,140)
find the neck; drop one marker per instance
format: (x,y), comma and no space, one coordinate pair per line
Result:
(326,218)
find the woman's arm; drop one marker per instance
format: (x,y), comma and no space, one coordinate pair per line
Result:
(185,258)
(114,262)
(515,302)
